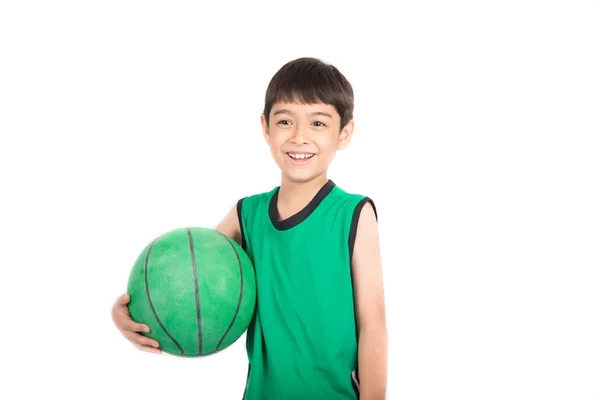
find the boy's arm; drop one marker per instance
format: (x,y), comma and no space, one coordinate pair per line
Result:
(370,308)
(230,226)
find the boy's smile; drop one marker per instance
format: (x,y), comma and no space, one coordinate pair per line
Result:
(300,158)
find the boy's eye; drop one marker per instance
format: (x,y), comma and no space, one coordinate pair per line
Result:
(285,120)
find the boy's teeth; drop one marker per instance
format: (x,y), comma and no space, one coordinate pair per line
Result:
(300,156)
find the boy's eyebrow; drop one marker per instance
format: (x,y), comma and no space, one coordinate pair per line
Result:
(284,111)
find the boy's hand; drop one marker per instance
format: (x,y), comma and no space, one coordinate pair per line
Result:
(129,328)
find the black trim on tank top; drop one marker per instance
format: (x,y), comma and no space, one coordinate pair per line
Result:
(239,215)
(354,225)
(247,379)
(301,215)
(355,382)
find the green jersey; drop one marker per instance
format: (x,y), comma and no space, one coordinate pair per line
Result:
(302,341)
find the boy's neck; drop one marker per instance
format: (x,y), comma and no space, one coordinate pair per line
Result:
(294,196)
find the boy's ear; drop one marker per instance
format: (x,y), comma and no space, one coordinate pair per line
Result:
(265,128)
(346,135)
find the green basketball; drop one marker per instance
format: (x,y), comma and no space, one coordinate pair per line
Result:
(196,290)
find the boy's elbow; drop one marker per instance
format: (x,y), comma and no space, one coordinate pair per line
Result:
(376,322)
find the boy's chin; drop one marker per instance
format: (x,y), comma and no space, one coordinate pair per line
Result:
(301,176)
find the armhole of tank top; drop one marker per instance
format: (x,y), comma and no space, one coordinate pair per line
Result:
(354,224)
(240,220)
(247,380)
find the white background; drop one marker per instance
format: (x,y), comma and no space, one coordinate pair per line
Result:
(477,136)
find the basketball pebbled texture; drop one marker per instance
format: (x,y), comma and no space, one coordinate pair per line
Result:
(196,290)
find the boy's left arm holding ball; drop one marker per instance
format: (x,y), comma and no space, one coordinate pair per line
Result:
(129,328)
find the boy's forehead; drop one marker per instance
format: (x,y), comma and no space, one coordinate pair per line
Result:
(299,108)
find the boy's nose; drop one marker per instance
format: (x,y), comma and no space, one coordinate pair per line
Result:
(300,136)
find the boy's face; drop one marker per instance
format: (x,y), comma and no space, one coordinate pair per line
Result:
(304,138)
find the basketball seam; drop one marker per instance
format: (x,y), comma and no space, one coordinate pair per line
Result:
(197,291)
(241,291)
(150,300)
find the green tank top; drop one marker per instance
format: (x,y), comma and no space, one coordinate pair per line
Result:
(302,341)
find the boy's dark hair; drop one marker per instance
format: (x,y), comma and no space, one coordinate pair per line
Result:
(308,81)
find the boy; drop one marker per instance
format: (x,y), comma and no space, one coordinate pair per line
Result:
(319,330)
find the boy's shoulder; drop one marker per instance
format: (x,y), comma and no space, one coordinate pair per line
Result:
(248,205)
(347,195)
(354,201)
(257,197)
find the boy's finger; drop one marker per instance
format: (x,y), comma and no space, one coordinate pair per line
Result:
(144,341)
(133,326)
(141,340)
(148,349)
(124,299)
